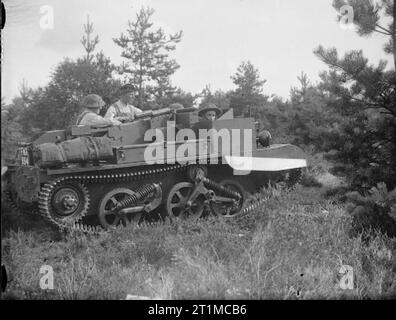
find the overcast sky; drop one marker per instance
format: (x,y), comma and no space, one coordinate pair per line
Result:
(277,36)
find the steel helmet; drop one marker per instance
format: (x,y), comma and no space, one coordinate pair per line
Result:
(92,101)
(264,137)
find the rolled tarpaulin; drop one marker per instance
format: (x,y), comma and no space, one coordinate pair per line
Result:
(82,149)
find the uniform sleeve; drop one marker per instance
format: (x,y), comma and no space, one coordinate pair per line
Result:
(135,110)
(110,114)
(114,122)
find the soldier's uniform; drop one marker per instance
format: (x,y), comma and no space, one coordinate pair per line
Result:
(123,109)
(90,117)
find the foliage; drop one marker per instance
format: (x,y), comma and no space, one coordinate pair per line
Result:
(247,97)
(374,17)
(308,118)
(88,43)
(304,120)
(56,105)
(11,131)
(148,65)
(177,96)
(364,143)
(375,210)
(220,98)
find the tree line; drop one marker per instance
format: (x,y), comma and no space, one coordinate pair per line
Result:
(349,115)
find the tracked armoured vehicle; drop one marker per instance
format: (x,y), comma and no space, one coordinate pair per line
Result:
(165,163)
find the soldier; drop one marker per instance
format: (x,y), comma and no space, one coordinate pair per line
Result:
(209,112)
(123,110)
(264,138)
(92,104)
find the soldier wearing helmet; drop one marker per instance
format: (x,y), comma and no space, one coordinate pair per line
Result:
(209,112)
(123,110)
(264,138)
(92,104)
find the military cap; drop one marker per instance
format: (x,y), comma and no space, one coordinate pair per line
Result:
(209,107)
(127,88)
(92,101)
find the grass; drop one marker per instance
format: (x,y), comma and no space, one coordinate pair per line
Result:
(291,248)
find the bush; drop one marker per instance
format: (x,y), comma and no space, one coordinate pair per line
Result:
(374,211)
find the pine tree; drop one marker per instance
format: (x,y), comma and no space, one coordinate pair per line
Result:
(248,94)
(298,94)
(366,95)
(370,17)
(88,43)
(147,64)
(247,79)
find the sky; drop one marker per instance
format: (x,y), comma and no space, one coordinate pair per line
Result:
(277,36)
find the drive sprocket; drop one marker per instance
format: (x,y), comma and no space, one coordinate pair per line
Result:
(63,202)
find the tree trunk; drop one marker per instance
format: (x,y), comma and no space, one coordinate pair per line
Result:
(140,96)
(140,99)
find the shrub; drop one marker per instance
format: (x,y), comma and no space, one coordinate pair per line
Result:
(375,210)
